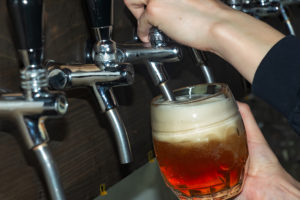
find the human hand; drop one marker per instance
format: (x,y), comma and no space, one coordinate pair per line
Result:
(183,21)
(265,177)
(208,25)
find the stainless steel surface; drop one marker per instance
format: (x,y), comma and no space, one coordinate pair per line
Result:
(35,104)
(105,73)
(105,97)
(67,76)
(157,38)
(159,78)
(138,52)
(156,69)
(166,92)
(50,172)
(121,136)
(30,115)
(265,8)
(287,20)
(200,61)
(105,57)
(105,47)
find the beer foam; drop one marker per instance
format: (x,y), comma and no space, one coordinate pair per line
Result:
(182,121)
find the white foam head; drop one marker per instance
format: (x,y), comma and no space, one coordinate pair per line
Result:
(181,120)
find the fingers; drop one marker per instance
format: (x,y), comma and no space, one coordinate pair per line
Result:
(144,27)
(136,7)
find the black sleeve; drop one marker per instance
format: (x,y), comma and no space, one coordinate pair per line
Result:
(277,79)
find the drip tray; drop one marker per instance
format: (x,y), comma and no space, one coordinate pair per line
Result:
(144,183)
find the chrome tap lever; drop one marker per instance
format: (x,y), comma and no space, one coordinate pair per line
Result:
(156,69)
(200,60)
(31,108)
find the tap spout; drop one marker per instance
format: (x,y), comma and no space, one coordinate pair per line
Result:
(200,60)
(156,69)
(121,136)
(108,104)
(50,172)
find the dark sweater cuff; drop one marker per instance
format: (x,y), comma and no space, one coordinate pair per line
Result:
(277,79)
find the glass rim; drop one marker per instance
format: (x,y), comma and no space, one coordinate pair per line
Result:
(223,86)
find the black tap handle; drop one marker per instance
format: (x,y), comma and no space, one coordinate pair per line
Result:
(27,21)
(99,12)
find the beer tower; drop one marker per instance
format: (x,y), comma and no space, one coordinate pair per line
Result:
(35,104)
(101,76)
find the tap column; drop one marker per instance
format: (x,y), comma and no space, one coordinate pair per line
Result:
(100,20)
(31,108)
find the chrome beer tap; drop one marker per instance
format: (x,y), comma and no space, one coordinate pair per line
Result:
(264,8)
(35,104)
(156,69)
(200,60)
(153,55)
(105,73)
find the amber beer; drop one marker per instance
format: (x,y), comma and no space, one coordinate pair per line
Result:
(200,144)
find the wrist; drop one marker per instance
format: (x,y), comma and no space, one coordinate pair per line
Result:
(242,40)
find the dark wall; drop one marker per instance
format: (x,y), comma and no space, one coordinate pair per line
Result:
(81,141)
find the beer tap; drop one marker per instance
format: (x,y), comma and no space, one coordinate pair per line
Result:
(264,8)
(105,73)
(30,108)
(155,68)
(152,55)
(200,60)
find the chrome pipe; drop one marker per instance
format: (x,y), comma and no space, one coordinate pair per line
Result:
(200,61)
(137,52)
(159,78)
(166,92)
(287,20)
(156,69)
(50,172)
(121,135)
(67,76)
(108,105)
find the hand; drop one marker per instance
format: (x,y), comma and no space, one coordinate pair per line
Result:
(265,178)
(208,25)
(183,21)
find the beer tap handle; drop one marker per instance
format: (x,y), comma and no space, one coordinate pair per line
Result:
(27,20)
(100,13)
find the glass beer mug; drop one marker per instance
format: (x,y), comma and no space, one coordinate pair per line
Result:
(200,142)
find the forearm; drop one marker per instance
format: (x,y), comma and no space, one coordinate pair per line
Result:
(243,41)
(208,25)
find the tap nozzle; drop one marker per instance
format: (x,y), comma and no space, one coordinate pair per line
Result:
(156,69)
